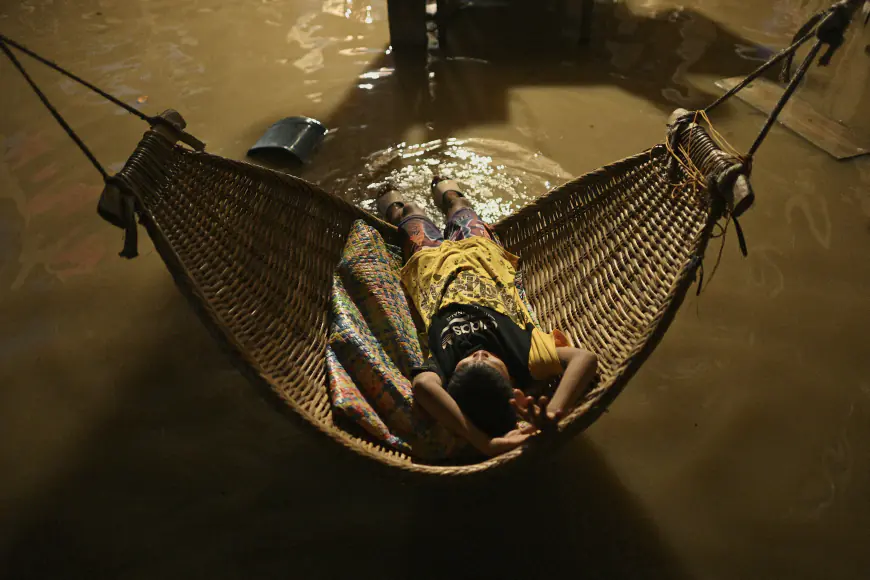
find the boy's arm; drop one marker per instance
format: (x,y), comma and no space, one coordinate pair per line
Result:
(580,366)
(438,403)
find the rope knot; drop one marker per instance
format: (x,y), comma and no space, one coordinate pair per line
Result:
(117,205)
(832,30)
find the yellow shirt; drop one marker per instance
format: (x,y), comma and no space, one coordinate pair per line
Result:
(476,271)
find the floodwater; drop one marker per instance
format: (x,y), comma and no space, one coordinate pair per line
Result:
(129,447)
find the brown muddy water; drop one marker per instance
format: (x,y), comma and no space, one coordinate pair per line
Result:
(129,448)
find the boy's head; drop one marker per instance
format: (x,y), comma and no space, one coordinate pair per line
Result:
(482,388)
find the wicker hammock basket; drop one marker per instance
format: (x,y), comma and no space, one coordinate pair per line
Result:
(607,257)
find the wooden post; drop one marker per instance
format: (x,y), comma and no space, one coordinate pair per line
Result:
(407,24)
(586,21)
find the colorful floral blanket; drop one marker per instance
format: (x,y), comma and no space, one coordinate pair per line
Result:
(373,345)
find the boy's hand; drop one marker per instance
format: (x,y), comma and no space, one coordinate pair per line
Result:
(536,413)
(507,442)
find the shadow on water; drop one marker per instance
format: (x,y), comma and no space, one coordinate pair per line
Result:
(493,51)
(189,473)
(568,514)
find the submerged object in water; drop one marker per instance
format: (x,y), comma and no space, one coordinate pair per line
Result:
(298,136)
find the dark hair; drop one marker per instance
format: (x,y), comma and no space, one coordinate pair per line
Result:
(484,396)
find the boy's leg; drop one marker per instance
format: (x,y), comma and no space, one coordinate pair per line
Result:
(416,229)
(462,221)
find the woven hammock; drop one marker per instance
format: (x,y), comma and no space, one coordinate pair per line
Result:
(607,257)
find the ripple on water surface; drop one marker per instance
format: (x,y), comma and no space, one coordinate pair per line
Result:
(498,176)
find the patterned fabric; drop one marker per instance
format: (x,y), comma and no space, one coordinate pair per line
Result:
(464,224)
(372,347)
(475,270)
(486,279)
(420,232)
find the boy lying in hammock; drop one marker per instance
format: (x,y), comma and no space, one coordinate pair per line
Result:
(485,349)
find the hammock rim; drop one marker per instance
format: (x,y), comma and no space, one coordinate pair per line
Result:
(574,423)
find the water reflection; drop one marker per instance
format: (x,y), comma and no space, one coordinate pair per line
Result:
(363,11)
(499,176)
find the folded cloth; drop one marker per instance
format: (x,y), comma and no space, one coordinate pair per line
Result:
(373,344)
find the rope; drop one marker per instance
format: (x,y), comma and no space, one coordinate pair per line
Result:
(789,91)
(127,203)
(828,27)
(786,52)
(133,111)
(702,148)
(57,116)
(785,73)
